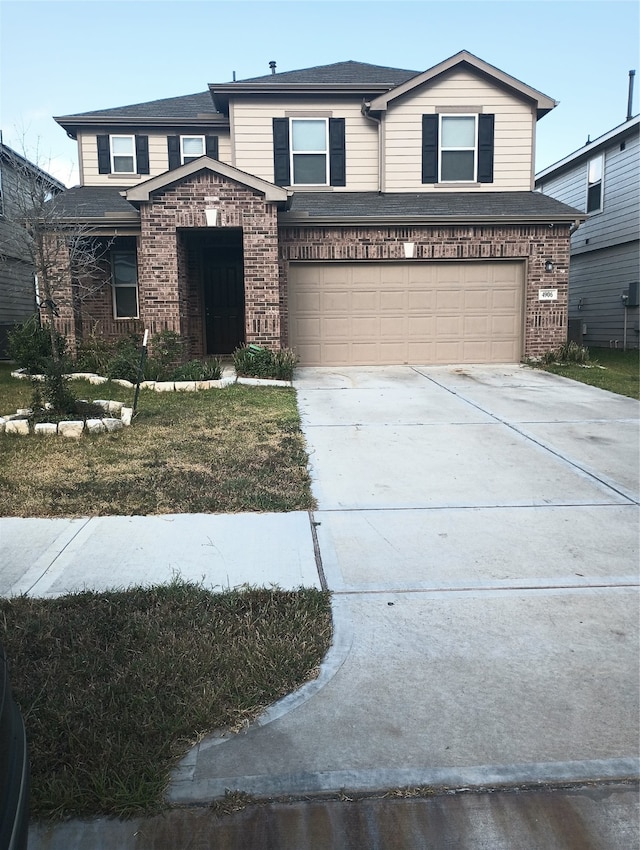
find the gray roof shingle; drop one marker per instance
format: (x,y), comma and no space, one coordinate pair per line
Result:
(357,73)
(185,106)
(429,205)
(94,202)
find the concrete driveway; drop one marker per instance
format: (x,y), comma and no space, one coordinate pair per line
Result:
(479,529)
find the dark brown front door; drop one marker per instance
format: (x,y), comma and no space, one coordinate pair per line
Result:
(223,282)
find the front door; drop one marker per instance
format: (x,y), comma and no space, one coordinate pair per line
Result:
(223,284)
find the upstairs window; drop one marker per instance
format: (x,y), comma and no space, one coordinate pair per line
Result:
(309,151)
(458,142)
(594,184)
(123,155)
(191,147)
(120,154)
(457,148)
(124,280)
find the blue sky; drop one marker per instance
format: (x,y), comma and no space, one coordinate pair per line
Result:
(61,57)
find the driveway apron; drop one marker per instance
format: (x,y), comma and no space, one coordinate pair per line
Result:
(478,527)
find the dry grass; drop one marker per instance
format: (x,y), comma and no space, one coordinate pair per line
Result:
(238,449)
(115,686)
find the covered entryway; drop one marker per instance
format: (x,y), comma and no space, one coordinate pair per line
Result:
(416,312)
(216,274)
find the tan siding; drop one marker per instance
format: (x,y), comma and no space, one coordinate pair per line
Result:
(253,137)
(158,157)
(513,133)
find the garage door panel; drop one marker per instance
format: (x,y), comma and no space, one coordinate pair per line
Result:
(430,312)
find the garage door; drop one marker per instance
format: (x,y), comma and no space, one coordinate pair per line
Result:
(384,313)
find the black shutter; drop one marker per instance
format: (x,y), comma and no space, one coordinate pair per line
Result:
(173,147)
(142,154)
(485,148)
(211,146)
(337,158)
(429,148)
(281,171)
(104,155)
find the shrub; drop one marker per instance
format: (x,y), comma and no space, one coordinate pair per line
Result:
(256,362)
(94,353)
(197,370)
(56,385)
(568,352)
(126,360)
(29,344)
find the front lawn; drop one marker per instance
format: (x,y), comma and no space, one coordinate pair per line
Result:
(608,368)
(215,451)
(115,687)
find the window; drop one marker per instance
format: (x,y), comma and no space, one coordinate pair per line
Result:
(309,151)
(123,158)
(124,279)
(457,148)
(594,184)
(458,141)
(191,147)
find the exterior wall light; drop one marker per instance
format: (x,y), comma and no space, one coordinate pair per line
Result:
(548,266)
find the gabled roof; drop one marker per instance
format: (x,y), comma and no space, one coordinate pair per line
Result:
(190,109)
(461,60)
(142,191)
(613,137)
(427,207)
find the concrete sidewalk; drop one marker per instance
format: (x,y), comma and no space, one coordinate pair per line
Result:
(50,557)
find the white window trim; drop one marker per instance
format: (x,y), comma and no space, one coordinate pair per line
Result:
(325,151)
(190,156)
(599,156)
(473,115)
(113,156)
(115,286)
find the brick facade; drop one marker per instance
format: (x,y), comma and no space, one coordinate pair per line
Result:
(545,322)
(171,297)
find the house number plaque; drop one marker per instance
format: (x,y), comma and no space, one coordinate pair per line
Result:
(547,295)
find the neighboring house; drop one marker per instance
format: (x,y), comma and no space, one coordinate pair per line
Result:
(603,179)
(358,213)
(17,285)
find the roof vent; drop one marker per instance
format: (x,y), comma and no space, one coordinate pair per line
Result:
(272,65)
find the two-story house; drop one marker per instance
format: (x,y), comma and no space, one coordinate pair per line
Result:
(603,179)
(358,213)
(20,180)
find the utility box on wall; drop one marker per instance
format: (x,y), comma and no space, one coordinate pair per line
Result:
(633,294)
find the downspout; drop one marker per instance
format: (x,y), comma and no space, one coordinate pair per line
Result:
(365,109)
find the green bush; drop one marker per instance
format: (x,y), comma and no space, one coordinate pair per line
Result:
(56,385)
(256,362)
(197,370)
(94,354)
(125,360)
(29,344)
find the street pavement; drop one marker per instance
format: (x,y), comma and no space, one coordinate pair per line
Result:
(478,527)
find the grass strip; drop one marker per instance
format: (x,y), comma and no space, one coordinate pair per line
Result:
(609,369)
(115,686)
(215,451)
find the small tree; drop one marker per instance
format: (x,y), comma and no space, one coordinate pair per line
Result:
(67,257)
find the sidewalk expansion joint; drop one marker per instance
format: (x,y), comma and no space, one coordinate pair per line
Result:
(316,551)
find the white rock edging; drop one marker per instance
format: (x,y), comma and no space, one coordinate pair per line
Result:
(168,386)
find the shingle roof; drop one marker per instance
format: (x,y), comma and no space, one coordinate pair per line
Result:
(358,73)
(94,202)
(185,106)
(438,206)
